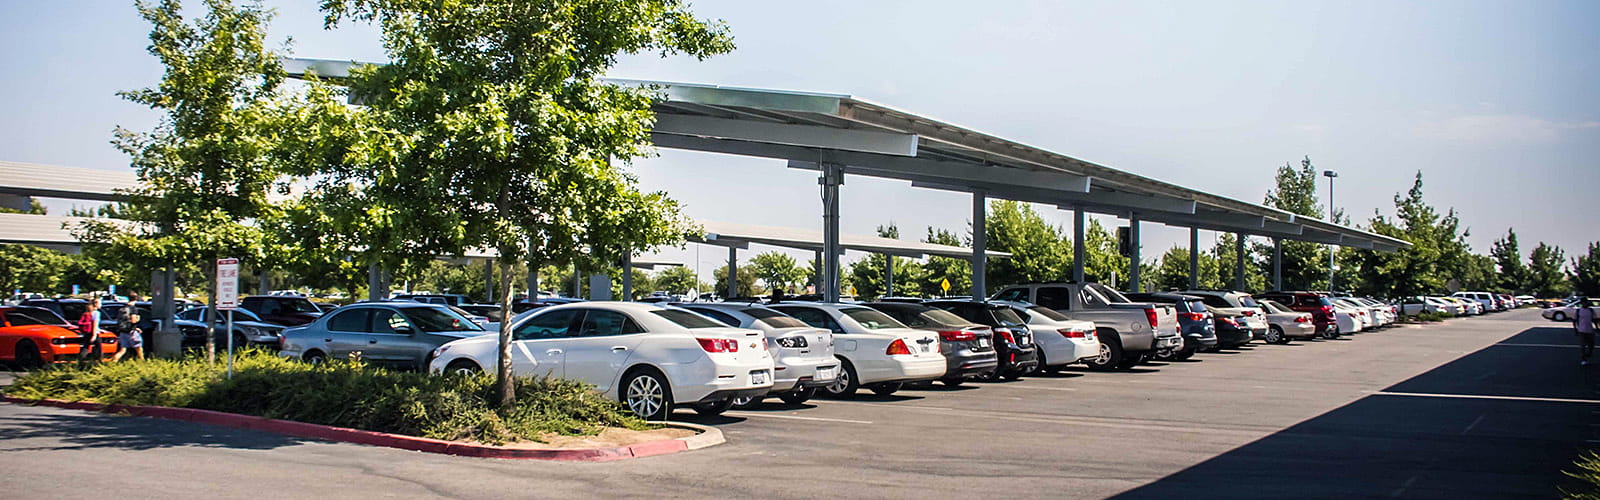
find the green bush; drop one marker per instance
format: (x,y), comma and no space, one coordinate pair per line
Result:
(344,394)
(1431,317)
(1588,474)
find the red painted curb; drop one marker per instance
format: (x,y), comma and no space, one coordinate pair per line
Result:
(372,438)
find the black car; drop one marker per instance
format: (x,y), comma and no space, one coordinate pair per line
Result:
(1199,332)
(1231,332)
(968,347)
(1013,341)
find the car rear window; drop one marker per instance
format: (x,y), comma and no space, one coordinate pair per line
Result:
(28,317)
(773,318)
(871,319)
(1195,305)
(1248,301)
(687,319)
(1006,315)
(933,318)
(1048,313)
(439,319)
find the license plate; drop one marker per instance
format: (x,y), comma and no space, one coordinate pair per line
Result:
(983,342)
(828,373)
(760,377)
(925,348)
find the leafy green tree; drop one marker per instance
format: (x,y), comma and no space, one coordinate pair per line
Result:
(1036,248)
(445,277)
(677,279)
(1305,264)
(1586,272)
(939,269)
(1172,272)
(34,208)
(1545,276)
(1102,258)
(1413,270)
(1478,273)
(32,269)
(1224,254)
(746,287)
(869,275)
(1513,274)
(495,124)
(777,270)
(205,169)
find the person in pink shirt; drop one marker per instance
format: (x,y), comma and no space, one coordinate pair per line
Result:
(1583,322)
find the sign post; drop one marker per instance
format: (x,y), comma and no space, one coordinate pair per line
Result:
(228,298)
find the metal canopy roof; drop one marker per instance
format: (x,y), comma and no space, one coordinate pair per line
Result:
(51,181)
(809,128)
(742,235)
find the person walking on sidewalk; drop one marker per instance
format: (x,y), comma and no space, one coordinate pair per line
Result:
(1583,321)
(89,327)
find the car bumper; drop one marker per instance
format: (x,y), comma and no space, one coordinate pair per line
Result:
(1020,359)
(697,382)
(968,363)
(1234,337)
(1064,351)
(1302,331)
(795,372)
(900,369)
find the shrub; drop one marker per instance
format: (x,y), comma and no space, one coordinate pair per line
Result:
(341,393)
(1588,474)
(1430,317)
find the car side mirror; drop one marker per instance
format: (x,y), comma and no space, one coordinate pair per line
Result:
(405,330)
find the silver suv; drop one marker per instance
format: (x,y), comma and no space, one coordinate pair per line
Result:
(398,334)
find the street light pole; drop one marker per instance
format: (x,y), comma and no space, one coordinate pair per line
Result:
(1331,175)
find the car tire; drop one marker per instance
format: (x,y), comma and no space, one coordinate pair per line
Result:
(847,383)
(1559,316)
(747,402)
(1130,361)
(1275,335)
(887,388)
(463,367)
(1013,375)
(1110,354)
(27,355)
(713,408)
(798,396)
(239,342)
(645,393)
(952,382)
(315,357)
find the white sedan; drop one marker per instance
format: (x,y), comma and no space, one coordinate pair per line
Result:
(1349,317)
(649,357)
(876,351)
(802,354)
(1062,340)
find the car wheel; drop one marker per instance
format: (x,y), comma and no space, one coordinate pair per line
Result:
(27,355)
(886,388)
(1559,316)
(745,402)
(316,357)
(1013,375)
(846,384)
(463,367)
(798,396)
(713,408)
(239,342)
(646,394)
(1128,362)
(1275,335)
(952,382)
(1186,353)
(1110,355)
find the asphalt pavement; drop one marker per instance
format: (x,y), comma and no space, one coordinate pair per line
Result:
(1493,406)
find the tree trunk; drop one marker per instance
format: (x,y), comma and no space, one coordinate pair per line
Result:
(505,384)
(211,311)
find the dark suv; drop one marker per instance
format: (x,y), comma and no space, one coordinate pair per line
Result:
(1316,303)
(282,309)
(1199,333)
(968,347)
(1013,341)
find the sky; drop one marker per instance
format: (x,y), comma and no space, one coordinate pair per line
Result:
(1494,102)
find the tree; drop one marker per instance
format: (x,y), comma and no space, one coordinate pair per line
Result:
(1305,264)
(1172,272)
(1513,274)
(677,279)
(1586,272)
(1102,259)
(32,269)
(746,286)
(494,122)
(205,169)
(1413,270)
(869,275)
(1036,248)
(34,208)
(777,270)
(1224,254)
(939,269)
(1545,276)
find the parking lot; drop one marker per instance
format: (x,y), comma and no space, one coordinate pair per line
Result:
(1375,414)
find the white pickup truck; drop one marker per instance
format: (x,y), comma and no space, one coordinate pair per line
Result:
(1130,332)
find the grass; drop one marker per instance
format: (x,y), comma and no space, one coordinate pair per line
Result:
(343,393)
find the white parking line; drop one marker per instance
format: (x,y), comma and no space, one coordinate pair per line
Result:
(1536,345)
(1479,396)
(794,417)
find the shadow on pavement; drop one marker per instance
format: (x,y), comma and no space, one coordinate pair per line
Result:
(1424,447)
(83,430)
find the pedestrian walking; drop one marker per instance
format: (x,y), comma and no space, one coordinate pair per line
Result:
(89,328)
(130,337)
(1583,321)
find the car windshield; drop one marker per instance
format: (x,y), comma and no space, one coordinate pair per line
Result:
(1274,307)
(1007,316)
(871,319)
(1248,301)
(774,319)
(438,319)
(1107,293)
(30,316)
(1048,313)
(299,306)
(687,319)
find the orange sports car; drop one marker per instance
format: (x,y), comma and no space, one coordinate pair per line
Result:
(34,336)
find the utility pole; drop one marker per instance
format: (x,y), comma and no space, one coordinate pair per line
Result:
(1331,175)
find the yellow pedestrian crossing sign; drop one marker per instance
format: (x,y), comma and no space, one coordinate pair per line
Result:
(944,284)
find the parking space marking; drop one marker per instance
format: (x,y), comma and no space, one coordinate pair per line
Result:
(1537,345)
(882,405)
(794,417)
(1117,423)
(1481,396)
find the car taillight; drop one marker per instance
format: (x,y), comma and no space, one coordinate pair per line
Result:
(958,335)
(1073,334)
(1150,314)
(1249,312)
(897,347)
(1228,321)
(792,342)
(1302,319)
(1194,316)
(719,345)
(1005,333)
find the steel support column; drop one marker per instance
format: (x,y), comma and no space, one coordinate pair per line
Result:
(980,245)
(832,178)
(733,273)
(627,276)
(376,287)
(888,277)
(488,280)
(1194,258)
(1077,245)
(1238,261)
(818,281)
(1133,254)
(533,280)
(1277,263)
(577,282)
(265,286)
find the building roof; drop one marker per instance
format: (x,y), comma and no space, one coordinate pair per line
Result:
(52,181)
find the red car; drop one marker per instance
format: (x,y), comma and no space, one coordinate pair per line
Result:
(35,336)
(1316,303)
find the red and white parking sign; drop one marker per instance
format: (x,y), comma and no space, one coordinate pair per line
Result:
(227,284)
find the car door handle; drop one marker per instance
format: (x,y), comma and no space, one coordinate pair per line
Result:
(327,340)
(553,351)
(619,348)
(372,341)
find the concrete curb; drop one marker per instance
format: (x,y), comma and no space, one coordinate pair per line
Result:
(705,436)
